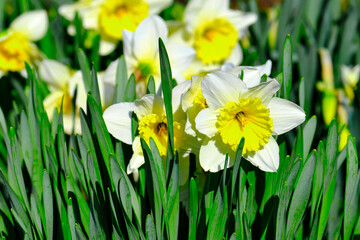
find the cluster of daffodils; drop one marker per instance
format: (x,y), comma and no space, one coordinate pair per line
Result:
(211,116)
(110,17)
(338,102)
(16,42)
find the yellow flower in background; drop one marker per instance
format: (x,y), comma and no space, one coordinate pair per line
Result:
(151,115)
(16,42)
(350,79)
(213,30)
(110,17)
(62,83)
(142,54)
(329,101)
(237,111)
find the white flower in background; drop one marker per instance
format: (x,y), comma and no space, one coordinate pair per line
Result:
(16,42)
(62,83)
(238,110)
(350,78)
(141,53)
(152,119)
(213,30)
(110,17)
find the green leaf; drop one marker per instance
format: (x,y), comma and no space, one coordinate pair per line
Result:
(172,206)
(308,134)
(166,78)
(85,69)
(95,92)
(125,197)
(287,67)
(331,153)
(300,197)
(193,209)
(150,228)
(151,86)
(121,80)
(130,92)
(48,206)
(236,168)
(351,203)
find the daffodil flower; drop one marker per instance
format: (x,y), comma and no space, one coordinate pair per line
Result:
(153,124)
(142,54)
(16,42)
(350,78)
(237,111)
(193,100)
(110,17)
(62,83)
(213,30)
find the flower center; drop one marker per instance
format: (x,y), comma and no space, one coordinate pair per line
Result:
(155,127)
(116,15)
(249,119)
(214,40)
(144,69)
(15,50)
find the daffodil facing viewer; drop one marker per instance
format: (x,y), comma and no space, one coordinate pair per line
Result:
(237,111)
(110,17)
(16,42)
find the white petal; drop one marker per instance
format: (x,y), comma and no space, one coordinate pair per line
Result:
(149,104)
(236,55)
(251,75)
(106,47)
(264,91)
(128,41)
(220,88)
(240,19)
(54,72)
(156,6)
(180,56)
(206,121)
(33,24)
(137,158)
(1,74)
(77,82)
(177,94)
(212,155)
(147,35)
(286,115)
(70,124)
(117,118)
(265,68)
(110,73)
(50,102)
(267,159)
(189,96)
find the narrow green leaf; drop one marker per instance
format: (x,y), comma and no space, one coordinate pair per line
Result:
(331,153)
(130,92)
(287,67)
(151,86)
(300,197)
(308,134)
(125,197)
(150,228)
(95,92)
(351,203)
(121,80)
(85,69)
(236,166)
(48,206)
(193,209)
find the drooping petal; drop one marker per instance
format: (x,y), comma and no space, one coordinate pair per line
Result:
(220,88)
(106,47)
(149,104)
(206,121)
(110,73)
(177,94)
(33,24)
(212,155)
(117,119)
(137,158)
(286,115)
(265,68)
(181,56)
(155,6)
(54,72)
(147,35)
(267,158)
(189,96)
(264,91)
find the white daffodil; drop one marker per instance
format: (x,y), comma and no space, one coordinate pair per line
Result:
(152,124)
(110,17)
(16,42)
(237,111)
(350,78)
(142,54)
(213,30)
(193,100)
(62,83)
